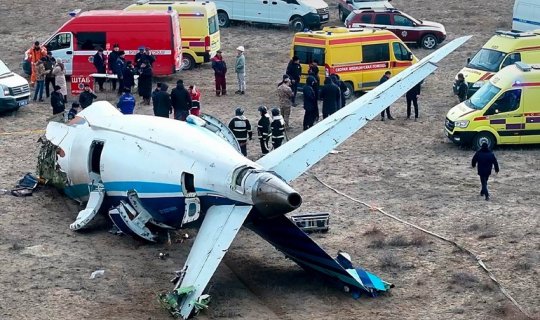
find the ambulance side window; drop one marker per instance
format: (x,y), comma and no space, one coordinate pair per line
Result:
(375,52)
(61,41)
(309,54)
(511,59)
(508,101)
(90,40)
(400,52)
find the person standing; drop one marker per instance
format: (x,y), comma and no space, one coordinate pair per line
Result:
(49,63)
(126,102)
(460,87)
(330,96)
(128,75)
(139,58)
(181,101)
(220,69)
(195,94)
(311,107)
(278,128)
(145,82)
(314,71)
(294,70)
(99,64)
(149,57)
(34,54)
(385,78)
(119,70)
(40,79)
(240,69)
(59,72)
(113,56)
(241,129)
(263,129)
(342,89)
(57,101)
(412,97)
(285,95)
(86,98)
(486,160)
(162,101)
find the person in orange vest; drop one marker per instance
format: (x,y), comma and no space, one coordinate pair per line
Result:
(34,54)
(195,101)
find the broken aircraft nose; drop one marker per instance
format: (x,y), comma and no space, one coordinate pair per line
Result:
(273,196)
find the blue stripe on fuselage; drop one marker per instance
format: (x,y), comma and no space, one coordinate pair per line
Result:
(81,190)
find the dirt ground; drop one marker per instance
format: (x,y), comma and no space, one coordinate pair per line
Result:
(408,168)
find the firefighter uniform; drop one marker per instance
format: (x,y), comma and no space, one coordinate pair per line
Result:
(241,128)
(263,129)
(278,128)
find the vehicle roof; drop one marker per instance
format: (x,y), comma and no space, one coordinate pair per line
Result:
(515,76)
(182,4)
(377,10)
(343,33)
(122,13)
(507,41)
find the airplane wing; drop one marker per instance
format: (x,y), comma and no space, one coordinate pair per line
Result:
(218,229)
(299,154)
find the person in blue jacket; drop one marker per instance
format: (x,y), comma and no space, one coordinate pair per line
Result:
(126,103)
(486,161)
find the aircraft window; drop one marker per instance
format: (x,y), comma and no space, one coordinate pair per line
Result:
(95,156)
(375,52)
(188,182)
(90,40)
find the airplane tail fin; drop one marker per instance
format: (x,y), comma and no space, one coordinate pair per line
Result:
(299,247)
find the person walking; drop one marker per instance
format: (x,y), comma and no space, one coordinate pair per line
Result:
(241,129)
(278,128)
(220,69)
(181,101)
(49,63)
(240,69)
(330,96)
(126,102)
(385,78)
(195,94)
(285,95)
(59,72)
(119,70)
(162,101)
(40,79)
(145,82)
(311,107)
(412,98)
(57,101)
(86,98)
(294,70)
(263,129)
(113,57)
(486,160)
(460,87)
(99,64)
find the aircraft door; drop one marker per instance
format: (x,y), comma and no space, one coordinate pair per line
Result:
(94,161)
(61,46)
(192,209)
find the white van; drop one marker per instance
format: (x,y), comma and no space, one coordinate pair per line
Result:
(345,7)
(299,14)
(14,90)
(526,15)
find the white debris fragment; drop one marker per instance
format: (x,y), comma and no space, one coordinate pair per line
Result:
(97,273)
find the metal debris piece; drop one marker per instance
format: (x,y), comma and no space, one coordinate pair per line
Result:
(312,222)
(97,273)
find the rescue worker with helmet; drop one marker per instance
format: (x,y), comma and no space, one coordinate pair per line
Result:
(241,128)
(263,129)
(278,128)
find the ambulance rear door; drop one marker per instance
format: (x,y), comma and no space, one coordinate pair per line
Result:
(531,110)
(506,116)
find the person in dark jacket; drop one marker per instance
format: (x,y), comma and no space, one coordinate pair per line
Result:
(278,128)
(73,111)
(486,160)
(241,128)
(162,101)
(126,102)
(461,88)
(412,97)
(119,70)
(145,82)
(385,78)
(128,75)
(57,101)
(181,101)
(314,71)
(294,70)
(99,64)
(263,129)
(342,89)
(49,64)
(113,56)
(87,97)
(330,96)
(220,69)
(311,107)
(139,58)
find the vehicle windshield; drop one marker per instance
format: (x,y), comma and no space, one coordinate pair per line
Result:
(482,97)
(487,60)
(3,68)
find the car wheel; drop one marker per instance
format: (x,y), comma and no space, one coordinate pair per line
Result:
(223,19)
(297,24)
(429,41)
(350,90)
(187,62)
(482,137)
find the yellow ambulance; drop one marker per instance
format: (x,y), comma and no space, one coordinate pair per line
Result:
(505,110)
(503,49)
(199,28)
(359,56)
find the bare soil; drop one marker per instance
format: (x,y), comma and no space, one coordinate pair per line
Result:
(408,168)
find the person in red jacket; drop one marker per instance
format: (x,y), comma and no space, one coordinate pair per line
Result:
(195,100)
(220,69)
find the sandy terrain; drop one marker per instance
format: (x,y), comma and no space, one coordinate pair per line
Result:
(409,168)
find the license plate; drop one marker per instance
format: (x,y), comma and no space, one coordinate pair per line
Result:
(325,16)
(23,103)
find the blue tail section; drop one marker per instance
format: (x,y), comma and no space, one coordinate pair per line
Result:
(299,247)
